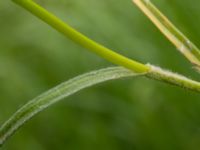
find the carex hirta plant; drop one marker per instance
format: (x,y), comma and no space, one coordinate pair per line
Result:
(126,67)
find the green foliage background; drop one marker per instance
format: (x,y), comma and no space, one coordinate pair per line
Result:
(128,114)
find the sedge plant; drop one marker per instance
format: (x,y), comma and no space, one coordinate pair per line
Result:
(126,67)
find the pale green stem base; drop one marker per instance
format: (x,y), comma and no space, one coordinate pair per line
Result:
(173,78)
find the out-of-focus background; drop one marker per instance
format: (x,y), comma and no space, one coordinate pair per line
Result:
(134,113)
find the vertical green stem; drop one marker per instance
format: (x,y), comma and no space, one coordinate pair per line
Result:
(79,38)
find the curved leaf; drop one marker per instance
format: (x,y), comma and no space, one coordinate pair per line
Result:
(57,93)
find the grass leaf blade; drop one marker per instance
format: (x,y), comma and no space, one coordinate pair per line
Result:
(59,92)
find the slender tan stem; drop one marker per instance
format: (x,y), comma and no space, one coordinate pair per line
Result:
(182,43)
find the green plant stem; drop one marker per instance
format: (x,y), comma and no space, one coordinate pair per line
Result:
(76,84)
(182,43)
(162,75)
(79,38)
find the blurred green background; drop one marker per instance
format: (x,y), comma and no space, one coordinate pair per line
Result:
(135,113)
